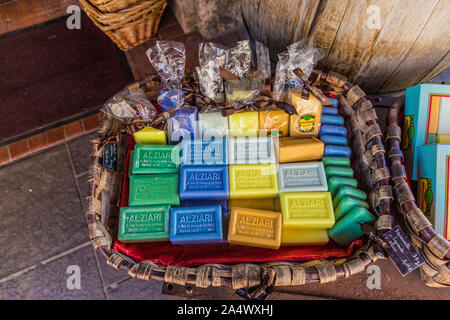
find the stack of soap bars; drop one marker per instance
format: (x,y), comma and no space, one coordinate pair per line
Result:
(349,203)
(224,180)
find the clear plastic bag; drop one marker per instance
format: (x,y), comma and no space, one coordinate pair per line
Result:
(238,59)
(129,106)
(169,60)
(263,61)
(280,76)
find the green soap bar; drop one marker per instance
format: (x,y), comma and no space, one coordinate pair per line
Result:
(154,189)
(348,229)
(336,161)
(130,163)
(338,171)
(156,159)
(334,183)
(144,224)
(348,191)
(346,205)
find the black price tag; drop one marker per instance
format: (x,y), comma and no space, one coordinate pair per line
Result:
(401,251)
(110,156)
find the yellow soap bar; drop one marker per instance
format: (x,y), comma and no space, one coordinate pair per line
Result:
(307,210)
(260,204)
(150,135)
(307,120)
(299,149)
(253,181)
(255,228)
(244,124)
(274,120)
(443,138)
(304,237)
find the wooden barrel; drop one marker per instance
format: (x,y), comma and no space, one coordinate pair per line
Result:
(382,45)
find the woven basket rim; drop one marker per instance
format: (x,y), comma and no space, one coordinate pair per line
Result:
(245,275)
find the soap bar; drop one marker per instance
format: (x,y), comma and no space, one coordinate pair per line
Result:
(330,110)
(183,125)
(348,229)
(348,191)
(339,171)
(330,139)
(443,138)
(336,161)
(250,181)
(332,119)
(156,159)
(335,150)
(154,189)
(307,210)
(144,224)
(251,150)
(334,101)
(276,121)
(333,130)
(304,237)
(150,135)
(335,183)
(203,152)
(244,124)
(200,203)
(255,228)
(299,149)
(346,205)
(196,225)
(260,204)
(212,124)
(305,176)
(204,183)
(307,120)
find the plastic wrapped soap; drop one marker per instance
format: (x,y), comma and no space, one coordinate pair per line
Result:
(212,124)
(183,125)
(274,122)
(307,120)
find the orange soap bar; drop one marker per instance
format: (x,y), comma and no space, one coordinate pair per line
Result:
(293,149)
(307,120)
(255,228)
(276,121)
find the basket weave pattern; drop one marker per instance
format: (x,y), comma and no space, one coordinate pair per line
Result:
(130,26)
(366,139)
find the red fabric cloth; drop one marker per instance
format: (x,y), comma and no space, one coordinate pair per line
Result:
(167,254)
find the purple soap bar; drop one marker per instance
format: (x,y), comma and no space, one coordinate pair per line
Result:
(204,182)
(183,125)
(333,130)
(330,110)
(335,150)
(196,225)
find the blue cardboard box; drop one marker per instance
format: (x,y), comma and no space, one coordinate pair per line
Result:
(433,185)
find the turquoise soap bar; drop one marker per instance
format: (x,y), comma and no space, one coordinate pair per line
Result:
(339,171)
(154,189)
(348,191)
(336,161)
(204,183)
(196,225)
(144,224)
(156,159)
(348,229)
(203,152)
(346,205)
(334,183)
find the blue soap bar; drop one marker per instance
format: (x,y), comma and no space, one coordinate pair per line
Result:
(199,203)
(330,110)
(330,139)
(333,130)
(201,152)
(334,101)
(335,150)
(183,125)
(330,119)
(204,182)
(196,225)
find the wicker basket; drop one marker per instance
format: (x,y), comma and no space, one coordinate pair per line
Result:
(130,26)
(366,140)
(113,5)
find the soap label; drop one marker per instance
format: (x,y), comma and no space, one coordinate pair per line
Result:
(253,178)
(204,181)
(251,150)
(300,208)
(401,251)
(307,176)
(255,226)
(200,152)
(196,222)
(156,159)
(154,189)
